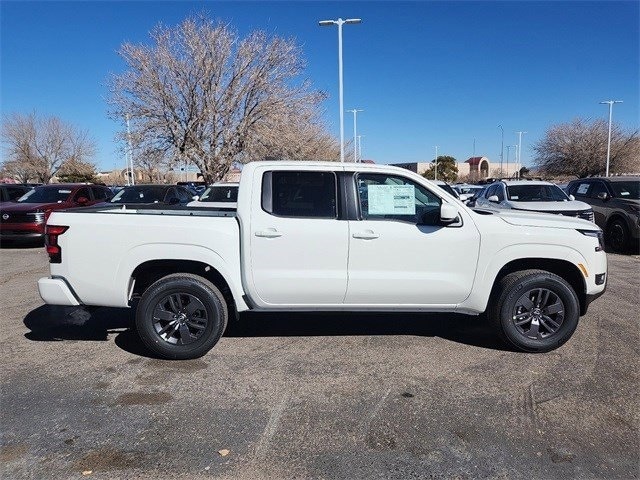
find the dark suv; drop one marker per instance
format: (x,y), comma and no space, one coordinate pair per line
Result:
(616,206)
(25,219)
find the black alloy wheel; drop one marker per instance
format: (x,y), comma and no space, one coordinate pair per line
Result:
(538,313)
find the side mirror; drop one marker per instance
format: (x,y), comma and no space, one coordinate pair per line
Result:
(494,199)
(571,197)
(448,213)
(174,201)
(604,196)
(82,200)
(195,198)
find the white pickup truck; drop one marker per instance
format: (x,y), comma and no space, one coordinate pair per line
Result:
(312,236)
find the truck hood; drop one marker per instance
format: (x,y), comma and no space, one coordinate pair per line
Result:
(568,206)
(536,219)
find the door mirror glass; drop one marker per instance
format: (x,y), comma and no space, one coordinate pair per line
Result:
(603,196)
(571,197)
(448,213)
(494,199)
(195,198)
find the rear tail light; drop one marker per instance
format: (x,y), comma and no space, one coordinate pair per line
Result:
(51,233)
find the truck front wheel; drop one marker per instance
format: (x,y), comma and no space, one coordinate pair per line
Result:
(534,310)
(181,316)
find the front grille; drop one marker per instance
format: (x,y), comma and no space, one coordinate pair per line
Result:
(10,217)
(584,214)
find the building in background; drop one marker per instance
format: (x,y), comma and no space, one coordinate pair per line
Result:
(474,168)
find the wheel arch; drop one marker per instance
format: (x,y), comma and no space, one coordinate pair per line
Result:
(563,268)
(148,272)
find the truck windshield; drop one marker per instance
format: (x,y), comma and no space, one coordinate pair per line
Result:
(536,193)
(140,194)
(46,195)
(220,193)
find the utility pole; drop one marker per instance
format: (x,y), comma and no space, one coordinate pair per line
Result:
(360,147)
(610,103)
(339,22)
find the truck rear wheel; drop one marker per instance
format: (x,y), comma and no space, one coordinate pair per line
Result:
(181,316)
(534,310)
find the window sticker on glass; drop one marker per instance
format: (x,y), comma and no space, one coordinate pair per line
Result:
(391,200)
(64,191)
(582,188)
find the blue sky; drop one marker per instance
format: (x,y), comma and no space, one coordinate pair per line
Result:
(426,73)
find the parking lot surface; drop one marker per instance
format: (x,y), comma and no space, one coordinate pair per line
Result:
(331,396)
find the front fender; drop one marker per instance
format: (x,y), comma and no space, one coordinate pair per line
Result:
(490,265)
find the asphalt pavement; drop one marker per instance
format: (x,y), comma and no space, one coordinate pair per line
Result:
(335,396)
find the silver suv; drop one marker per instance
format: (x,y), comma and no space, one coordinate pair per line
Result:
(533,196)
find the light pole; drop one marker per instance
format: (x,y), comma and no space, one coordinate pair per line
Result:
(519,152)
(339,22)
(355,132)
(435,175)
(360,147)
(501,147)
(133,181)
(610,103)
(509,147)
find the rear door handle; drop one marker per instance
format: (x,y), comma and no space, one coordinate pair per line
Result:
(268,233)
(367,235)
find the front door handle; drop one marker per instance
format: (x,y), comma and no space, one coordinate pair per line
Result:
(268,233)
(366,235)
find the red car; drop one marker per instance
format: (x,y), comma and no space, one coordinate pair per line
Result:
(25,219)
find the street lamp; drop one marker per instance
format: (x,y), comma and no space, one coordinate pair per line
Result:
(339,22)
(501,147)
(519,152)
(355,132)
(610,103)
(435,175)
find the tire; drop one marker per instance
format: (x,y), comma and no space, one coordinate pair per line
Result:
(181,316)
(514,313)
(618,236)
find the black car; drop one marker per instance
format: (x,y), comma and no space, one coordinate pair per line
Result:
(146,194)
(616,207)
(10,192)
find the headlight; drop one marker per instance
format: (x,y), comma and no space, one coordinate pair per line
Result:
(597,234)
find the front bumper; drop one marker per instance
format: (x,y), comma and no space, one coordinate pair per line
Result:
(19,231)
(56,291)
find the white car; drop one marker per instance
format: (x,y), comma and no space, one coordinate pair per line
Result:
(326,236)
(219,195)
(533,196)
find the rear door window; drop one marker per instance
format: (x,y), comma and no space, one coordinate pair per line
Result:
(300,194)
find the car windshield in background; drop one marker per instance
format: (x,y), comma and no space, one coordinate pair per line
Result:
(45,195)
(626,189)
(536,193)
(449,190)
(220,194)
(139,195)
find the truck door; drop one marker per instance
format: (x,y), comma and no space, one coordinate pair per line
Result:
(399,254)
(298,246)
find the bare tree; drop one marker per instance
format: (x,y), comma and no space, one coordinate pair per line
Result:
(22,171)
(203,95)
(580,148)
(43,144)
